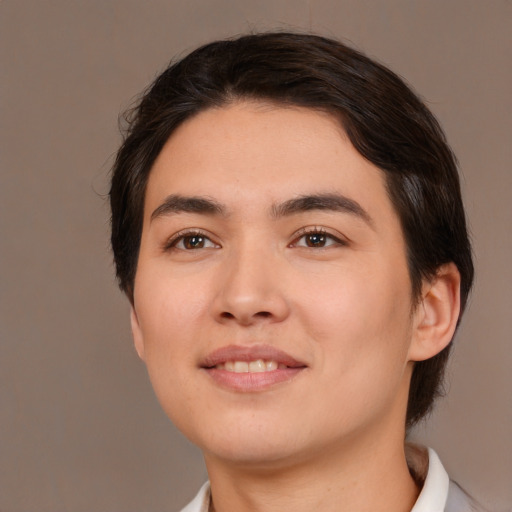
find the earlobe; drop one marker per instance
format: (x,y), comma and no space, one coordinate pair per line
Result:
(138,339)
(436,316)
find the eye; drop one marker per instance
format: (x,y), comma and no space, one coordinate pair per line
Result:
(190,241)
(317,239)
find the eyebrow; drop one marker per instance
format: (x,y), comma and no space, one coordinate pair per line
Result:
(328,201)
(176,203)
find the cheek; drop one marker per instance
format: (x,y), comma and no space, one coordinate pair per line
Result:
(362,319)
(351,298)
(168,316)
(168,308)
(169,313)
(362,327)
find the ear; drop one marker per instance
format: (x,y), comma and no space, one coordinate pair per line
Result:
(138,339)
(435,318)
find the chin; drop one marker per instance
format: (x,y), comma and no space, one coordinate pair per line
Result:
(259,445)
(252,455)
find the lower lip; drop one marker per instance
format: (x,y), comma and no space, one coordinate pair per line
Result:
(252,382)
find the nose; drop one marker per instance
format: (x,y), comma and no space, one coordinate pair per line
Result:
(251,289)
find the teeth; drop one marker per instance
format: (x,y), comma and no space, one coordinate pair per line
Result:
(271,365)
(257,366)
(240,367)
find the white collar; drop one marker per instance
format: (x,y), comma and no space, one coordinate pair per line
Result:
(426,464)
(434,493)
(201,503)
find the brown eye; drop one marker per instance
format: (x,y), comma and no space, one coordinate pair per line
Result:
(315,240)
(190,242)
(193,242)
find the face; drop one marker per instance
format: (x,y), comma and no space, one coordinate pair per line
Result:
(272,301)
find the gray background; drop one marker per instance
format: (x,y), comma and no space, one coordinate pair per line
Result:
(80,429)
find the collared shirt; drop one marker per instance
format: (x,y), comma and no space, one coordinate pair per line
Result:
(438,493)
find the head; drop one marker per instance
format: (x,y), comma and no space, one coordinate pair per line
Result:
(384,120)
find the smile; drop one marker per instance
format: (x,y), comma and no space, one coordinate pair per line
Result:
(257,366)
(249,369)
(249,359)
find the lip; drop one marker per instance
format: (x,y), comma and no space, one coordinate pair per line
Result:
(249,353)
(289,367)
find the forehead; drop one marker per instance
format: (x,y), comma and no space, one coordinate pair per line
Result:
(250,154)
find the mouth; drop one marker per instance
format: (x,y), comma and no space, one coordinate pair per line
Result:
(256,366)
(250,369)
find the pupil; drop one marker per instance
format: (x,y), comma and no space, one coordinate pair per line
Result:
(193,242)
(316,239)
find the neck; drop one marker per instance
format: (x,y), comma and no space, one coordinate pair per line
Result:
(360,476)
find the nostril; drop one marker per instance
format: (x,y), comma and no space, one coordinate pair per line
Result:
(260,314)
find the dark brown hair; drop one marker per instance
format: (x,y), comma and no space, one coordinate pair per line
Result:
(385,121)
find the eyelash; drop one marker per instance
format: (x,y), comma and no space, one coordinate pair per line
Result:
(182,235)
(304,232)
(309,231)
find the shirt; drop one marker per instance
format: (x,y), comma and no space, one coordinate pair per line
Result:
(438,494)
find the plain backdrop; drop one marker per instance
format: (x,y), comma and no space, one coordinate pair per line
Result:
(80,429)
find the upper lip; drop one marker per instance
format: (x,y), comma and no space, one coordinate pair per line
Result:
(250,353)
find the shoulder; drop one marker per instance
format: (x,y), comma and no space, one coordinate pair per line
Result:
(459,501)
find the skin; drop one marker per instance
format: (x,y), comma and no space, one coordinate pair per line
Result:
(340,304)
